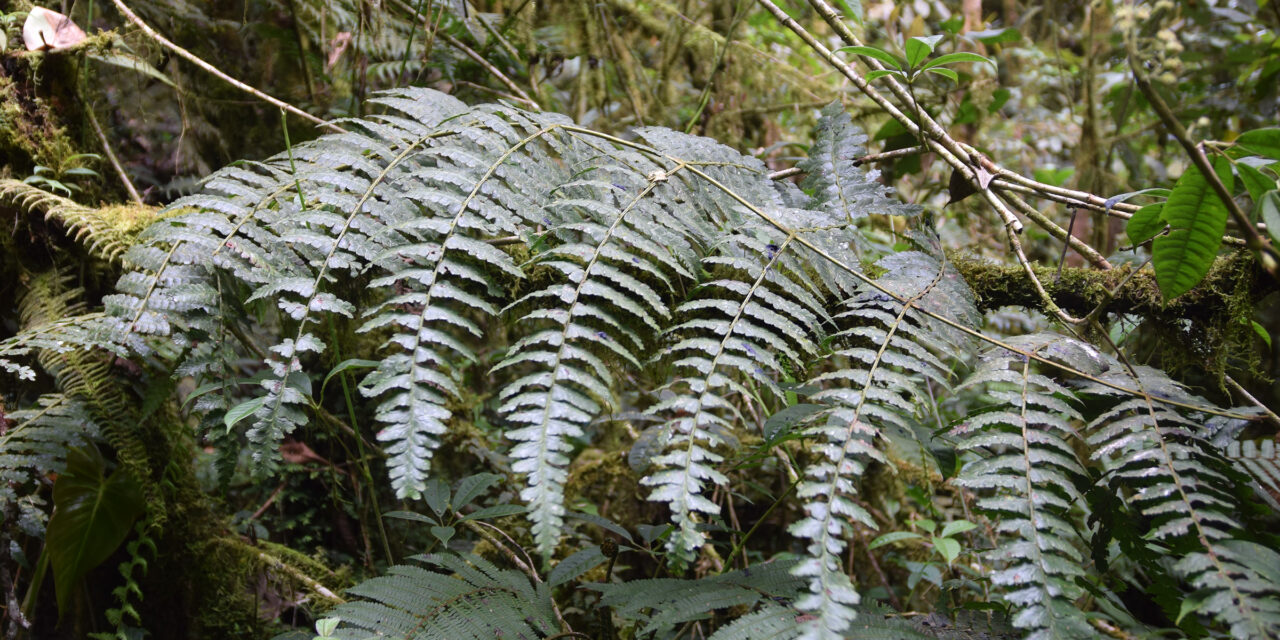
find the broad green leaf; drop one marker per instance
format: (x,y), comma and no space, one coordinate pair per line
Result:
(957,526)
(953,58)
(92,514)
(437,496)
(946,73)
(1262,141)
(1255,181)
(927,525)
(1262,332)
(872,52)
(891,537)
(948,548)
(919,48)
(1267,210)
(1197,219)
(1145,223)
(242,411)
(132,63)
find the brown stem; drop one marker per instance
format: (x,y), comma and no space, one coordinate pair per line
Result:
(111,156)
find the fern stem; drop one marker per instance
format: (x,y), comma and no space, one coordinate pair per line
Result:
(741,544)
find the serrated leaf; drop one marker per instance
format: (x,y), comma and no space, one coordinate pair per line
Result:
(575,565)
(1197,221)
(470,487)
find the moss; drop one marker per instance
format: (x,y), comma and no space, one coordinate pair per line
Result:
(128,218)
(604,480)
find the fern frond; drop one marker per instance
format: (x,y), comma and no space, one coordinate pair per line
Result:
(663,603)
(1159,460)
(887,351)
(456,597)
(1027,475)
(107,232)
(1261,460)
(35,445)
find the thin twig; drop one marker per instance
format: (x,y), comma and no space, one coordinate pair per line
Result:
(192,58)
(867,159)
(111,156)
(1082,248)
(1249,396)
(479,59)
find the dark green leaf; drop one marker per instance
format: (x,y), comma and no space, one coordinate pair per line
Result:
(242,411)
(1197,219)
(1267,210)
(575,565)
(352,363)
(411,516)
(1145,223)
(872,52)
(92,515)
(472,486)
(496,511)
(1255,181)
(919,48)
(443,534)
(603,523)
(437,496)
(1262,141)
(782,421)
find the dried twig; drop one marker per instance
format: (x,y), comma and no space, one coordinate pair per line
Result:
(111,156)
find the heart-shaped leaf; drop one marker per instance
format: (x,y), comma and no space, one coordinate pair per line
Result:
(92,515)
(45,29)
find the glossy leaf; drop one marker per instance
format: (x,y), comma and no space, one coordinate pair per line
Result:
(954,58)
(919,48)
(1267,210)
(1255,181)
(872,52)
(1197,220)
(93,513)
(1262,141)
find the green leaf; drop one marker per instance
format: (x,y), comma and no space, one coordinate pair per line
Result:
(1145,223)
(852,9)
(472,486)
(1255,181)
(1055,177)
(1262,332)
(351,363)
(927,525)
(946,73)
(919,48)
(437,496)
(880,73)
(1267,210)
(1262,141)
(201,390)
(872,52)
(131,63)
(496,511)
(1197,219)
(443,534)
(412,517)
(326,626)
(782,421)
(574,566)
(1189,605)
(957,526)
(948,548)
(891,537)
(92,514)
(953,58)
(242,411)
(996,36)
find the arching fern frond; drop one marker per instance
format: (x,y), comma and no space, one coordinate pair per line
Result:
(1027,475)
(107,232)
(1159,459)
(456,596)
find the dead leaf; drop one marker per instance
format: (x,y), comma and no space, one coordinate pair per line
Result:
(336,46)
(45,29)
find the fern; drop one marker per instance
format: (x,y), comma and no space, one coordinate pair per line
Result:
(107,232)
(1029,474)
(36,445)
(1159,460)
(465,596)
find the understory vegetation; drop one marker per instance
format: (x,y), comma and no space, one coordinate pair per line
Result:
(639,319)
